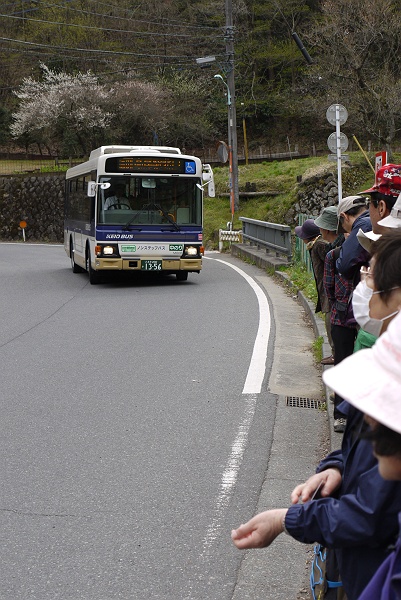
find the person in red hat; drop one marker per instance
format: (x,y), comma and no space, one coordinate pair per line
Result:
(383,194)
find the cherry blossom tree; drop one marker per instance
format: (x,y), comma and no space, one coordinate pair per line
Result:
(61,107)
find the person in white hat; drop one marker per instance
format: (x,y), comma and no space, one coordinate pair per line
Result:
(370,380)
(393,220)
(377,297)
(389,222)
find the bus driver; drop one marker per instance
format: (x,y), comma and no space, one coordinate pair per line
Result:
(118,199)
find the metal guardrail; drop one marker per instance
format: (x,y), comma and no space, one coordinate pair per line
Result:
(271,236)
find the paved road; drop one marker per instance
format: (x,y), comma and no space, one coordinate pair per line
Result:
(133,418)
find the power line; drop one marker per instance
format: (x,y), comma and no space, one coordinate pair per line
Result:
(96,51)
(172,21)
(129,68)
(91,27)
(138,20)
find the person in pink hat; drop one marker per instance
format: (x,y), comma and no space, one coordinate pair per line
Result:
(370,380)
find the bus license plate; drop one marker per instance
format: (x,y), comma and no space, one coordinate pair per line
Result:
(151,265)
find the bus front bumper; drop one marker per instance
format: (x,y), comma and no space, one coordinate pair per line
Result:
(135,264)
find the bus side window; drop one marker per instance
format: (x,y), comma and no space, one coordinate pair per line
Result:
(80,207)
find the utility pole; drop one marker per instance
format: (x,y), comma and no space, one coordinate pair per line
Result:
(229,39)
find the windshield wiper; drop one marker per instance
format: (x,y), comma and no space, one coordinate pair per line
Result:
(128,223)
(165,215)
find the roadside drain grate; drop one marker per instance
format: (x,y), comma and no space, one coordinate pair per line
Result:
(297,402)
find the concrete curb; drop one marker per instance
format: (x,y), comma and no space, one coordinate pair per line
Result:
(269,263)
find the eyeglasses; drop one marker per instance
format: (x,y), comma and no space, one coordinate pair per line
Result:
(365,272)
(374,202)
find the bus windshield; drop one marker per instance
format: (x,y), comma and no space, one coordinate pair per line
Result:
(133,200)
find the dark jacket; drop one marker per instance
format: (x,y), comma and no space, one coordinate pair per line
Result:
(353,255)
(318,249)
(339,292)
(386,583)
(362,521)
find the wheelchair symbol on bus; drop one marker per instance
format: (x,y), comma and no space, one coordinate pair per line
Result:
(190,167)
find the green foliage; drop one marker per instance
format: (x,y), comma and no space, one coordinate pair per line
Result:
(302,279)
(156,43)
(317,349)
(276,176)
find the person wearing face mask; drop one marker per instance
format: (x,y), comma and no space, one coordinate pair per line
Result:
(370,380)
(377,297)
(356,512)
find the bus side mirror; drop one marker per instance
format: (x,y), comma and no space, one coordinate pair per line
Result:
(207,175)
(92,185)
(91,189)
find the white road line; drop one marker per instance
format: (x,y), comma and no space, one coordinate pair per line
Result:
(252,387)
(231,471)
(257,366)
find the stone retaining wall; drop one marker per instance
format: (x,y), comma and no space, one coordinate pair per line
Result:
(321,189)
(37,199)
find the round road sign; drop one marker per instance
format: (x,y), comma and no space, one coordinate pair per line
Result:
(222,152)
(342,113)
(332,142)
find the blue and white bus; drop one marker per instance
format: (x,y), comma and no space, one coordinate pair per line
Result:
(131,208)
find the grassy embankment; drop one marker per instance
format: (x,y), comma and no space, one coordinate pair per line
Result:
(272,177)
(282,177)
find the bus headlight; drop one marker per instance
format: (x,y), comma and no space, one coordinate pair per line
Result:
(191,251)
(107,250)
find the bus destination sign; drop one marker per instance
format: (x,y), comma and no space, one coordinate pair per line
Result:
(150,164)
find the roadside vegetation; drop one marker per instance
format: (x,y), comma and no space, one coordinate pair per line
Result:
(280,177)
(277,176)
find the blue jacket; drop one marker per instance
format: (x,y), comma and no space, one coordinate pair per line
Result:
(352,255)
(386,583)
(362,521)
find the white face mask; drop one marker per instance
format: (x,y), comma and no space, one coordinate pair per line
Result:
(360,304)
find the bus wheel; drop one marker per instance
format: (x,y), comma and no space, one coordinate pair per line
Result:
(182,275)
(75,268)
(93,275)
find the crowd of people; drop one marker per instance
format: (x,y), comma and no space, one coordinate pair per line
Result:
(352,504)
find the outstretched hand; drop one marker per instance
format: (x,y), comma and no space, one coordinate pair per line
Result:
(261,530)
(325,482)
